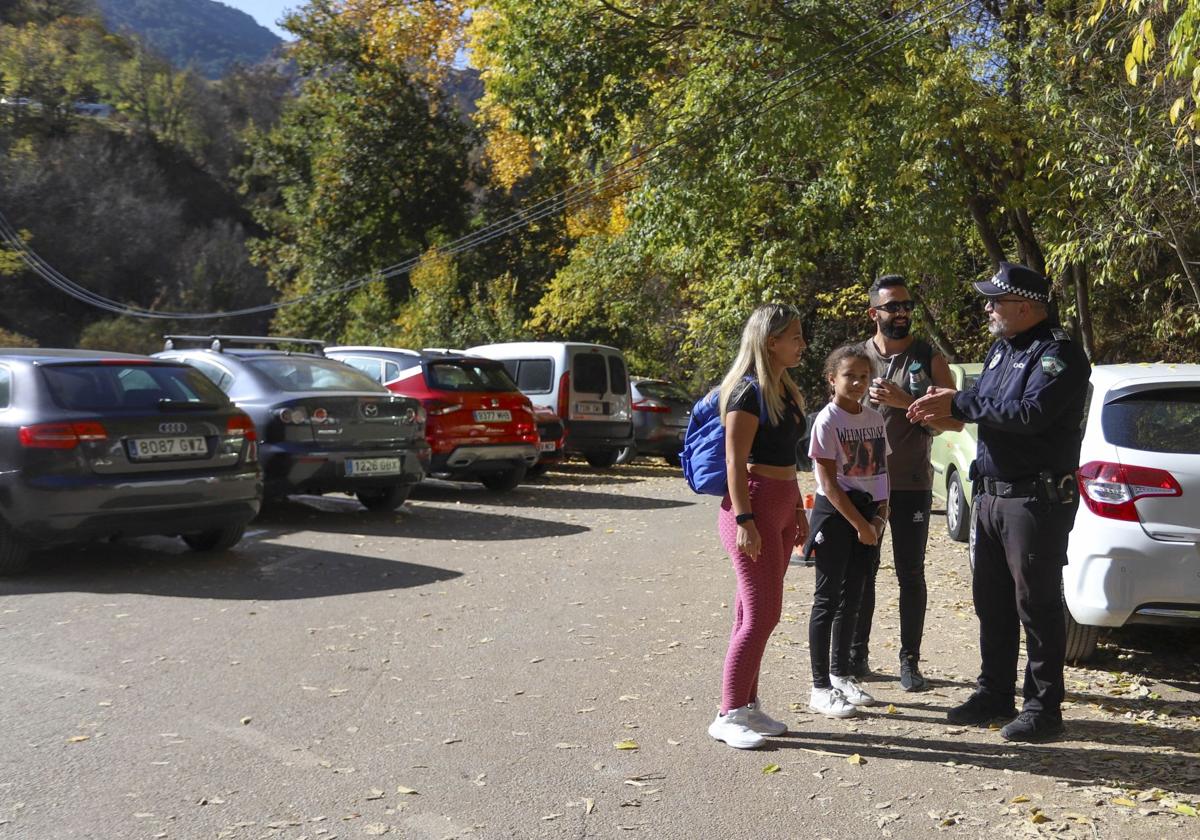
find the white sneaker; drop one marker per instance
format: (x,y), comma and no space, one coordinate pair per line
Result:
(734,729)
(852,690)
(831,702)
(763,723)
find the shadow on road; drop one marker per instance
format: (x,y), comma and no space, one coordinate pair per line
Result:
(1175,771)
(343,515)
(262,572)
(539,496)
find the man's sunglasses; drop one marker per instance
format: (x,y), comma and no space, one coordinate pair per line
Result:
(897,306)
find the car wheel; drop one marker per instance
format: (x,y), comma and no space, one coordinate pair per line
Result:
(626,454)
(958,513)
(1081,638)
(14,553)
(602,458)
(384,500)
(673,460)
(502,482)
(218,539)
(535,471)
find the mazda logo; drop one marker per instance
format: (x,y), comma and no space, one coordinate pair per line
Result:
(172,428)
(370,410)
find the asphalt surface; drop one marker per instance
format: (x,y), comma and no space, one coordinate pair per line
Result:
(539,664)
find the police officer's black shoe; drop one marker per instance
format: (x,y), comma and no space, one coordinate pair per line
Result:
(910,675)
(981,708)
(1033,727)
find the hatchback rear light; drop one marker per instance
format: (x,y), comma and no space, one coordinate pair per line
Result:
(1110,490)
(61,435)
(564,394)
(437,407)
(652,405)
(240,425)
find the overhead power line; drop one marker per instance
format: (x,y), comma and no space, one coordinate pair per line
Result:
(618,178)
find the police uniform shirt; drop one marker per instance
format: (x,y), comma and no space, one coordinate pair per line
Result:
(1029,404)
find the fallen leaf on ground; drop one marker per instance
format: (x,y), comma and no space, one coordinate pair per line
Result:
(771,768)
(625,745)
(75,739)
(1019,798)
(403,789)
(856,759)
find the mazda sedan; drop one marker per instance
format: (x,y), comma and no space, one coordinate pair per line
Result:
(97,445)
(323,427)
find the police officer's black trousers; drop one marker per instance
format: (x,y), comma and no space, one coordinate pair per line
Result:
(1019,550)
(908,521)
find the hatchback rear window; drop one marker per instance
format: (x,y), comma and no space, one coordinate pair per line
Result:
(469,376)
(89,387)
(663,391)
(591,373)
(294,373)
(1162,420)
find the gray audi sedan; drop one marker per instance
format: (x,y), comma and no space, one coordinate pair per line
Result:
(323,426)
(96,445)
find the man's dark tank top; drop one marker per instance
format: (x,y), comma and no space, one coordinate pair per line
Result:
(912,370)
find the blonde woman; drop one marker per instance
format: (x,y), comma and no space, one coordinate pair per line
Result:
(761,517)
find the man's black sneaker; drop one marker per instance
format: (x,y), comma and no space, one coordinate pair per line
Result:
(910,675)
(980,708)
(1033,727)
(859,667)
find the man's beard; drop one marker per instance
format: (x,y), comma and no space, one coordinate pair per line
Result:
(995,328)
(891,329)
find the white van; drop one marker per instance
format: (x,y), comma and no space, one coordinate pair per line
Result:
(587,385)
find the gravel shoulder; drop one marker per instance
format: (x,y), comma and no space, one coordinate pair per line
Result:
(540,664)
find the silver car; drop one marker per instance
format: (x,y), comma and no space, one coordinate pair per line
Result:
(661,411)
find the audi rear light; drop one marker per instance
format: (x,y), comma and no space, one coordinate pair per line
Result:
(652,405)
(61,435)
(564,394)
(240,425)
(1110,490)
(436,407)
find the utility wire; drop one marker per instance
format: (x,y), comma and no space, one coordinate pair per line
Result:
(618,178)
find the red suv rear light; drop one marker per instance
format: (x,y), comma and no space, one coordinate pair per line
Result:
(564,394)
(437,407)
(61,435)
(241,425)
(652,405)
(1110,490)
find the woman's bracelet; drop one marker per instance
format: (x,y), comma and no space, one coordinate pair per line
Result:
(880,518)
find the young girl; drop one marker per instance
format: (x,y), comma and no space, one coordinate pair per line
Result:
(851,508)
(761,517)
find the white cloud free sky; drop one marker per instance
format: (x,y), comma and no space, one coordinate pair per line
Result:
(266,12)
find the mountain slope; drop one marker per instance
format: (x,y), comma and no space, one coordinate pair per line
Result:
(203,34)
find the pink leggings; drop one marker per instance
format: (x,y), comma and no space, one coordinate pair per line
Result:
(759,599)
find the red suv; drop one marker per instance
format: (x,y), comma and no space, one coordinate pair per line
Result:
(479,426)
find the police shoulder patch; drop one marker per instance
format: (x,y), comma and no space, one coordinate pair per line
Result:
(1053,365)
(1060,334)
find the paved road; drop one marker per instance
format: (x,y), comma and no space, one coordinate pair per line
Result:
(466,668)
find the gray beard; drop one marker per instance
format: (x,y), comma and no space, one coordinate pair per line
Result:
(995,329)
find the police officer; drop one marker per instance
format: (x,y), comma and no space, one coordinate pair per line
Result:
(907,366)
(1029,404)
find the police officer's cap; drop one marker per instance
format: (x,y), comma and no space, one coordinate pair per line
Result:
(1015,279)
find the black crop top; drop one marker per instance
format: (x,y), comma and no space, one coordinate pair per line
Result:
(773,445)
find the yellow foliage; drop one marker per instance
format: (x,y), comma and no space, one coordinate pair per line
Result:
(423,36)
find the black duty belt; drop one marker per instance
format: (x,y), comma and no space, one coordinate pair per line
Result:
(1009,489)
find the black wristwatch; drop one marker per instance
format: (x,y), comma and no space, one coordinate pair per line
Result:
(743,518)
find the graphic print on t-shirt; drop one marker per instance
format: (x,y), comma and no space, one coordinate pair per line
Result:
(862,458)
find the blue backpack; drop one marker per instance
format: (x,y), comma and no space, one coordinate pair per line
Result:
(703,455)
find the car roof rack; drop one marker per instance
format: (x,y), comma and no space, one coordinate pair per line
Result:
(218,342)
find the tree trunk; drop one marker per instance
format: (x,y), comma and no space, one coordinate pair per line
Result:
(987,232)
(1083,305)
(930,324)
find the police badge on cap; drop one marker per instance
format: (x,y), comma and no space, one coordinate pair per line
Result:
(1014,279)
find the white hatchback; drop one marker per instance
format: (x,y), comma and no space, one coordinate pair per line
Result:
(1134,553)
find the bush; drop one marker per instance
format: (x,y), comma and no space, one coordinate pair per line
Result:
(123,335)
(8,338)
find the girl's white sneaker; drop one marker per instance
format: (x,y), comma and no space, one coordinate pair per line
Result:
(734,729)
(831,702)
(852,690)
(763,723)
